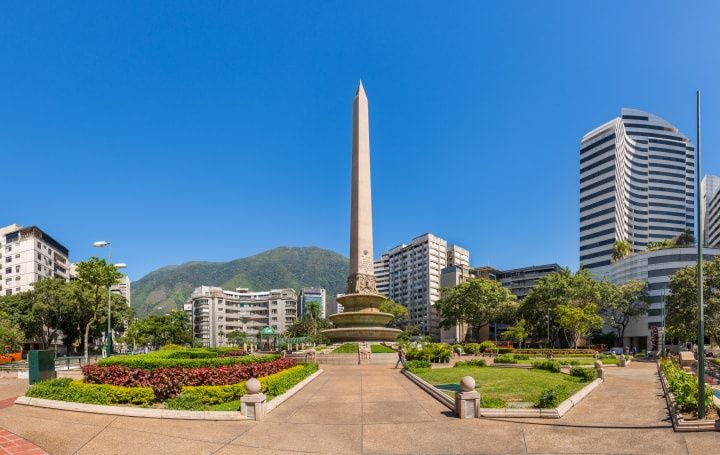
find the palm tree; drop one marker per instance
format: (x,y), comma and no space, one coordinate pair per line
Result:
(621,248)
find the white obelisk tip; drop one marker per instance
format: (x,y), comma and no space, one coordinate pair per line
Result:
(360,89)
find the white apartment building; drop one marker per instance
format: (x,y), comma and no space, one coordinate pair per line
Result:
(656,268)
(28,254)
(382,274)
(709,187)
(413,277)
(122,288)
(636,184)
(308,295)
(215,312)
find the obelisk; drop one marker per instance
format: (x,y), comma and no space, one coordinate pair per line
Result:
(361,276)
(361,319)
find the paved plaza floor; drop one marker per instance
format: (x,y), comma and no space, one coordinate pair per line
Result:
(376,410)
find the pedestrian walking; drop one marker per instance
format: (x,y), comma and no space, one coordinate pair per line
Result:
(401,358)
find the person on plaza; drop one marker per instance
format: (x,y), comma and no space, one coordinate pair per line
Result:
(401,358)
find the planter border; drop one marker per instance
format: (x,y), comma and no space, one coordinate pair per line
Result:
(150,413)
(679,424)
(550,413)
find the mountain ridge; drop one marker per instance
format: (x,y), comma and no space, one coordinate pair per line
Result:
(170,286)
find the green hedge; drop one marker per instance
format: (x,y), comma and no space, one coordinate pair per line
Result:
(150,362)
(470,363)
(505,358)
(549,365)
(586,374)
(66,389)
(273,385)
(413,365)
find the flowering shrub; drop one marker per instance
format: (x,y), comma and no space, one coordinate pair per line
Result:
(236,353)
(559,352)
(168,382)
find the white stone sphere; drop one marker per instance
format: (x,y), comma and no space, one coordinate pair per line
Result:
(252,386)
(467,384)
(598,364)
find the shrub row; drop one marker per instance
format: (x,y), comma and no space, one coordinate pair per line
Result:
(684,387)
(586,374)
(195,397)
(562,352)
(167,382)
(432,352)
(66,389)
(413,365)
(505,358)
(153,361)
(549,365)
(470,363)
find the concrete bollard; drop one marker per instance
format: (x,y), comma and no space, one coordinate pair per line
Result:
(467,401)
(252,404)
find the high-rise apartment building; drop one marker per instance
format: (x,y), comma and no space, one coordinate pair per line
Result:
(382,274)
(636,185)
(520,281)
(308,295)
(709,187)
(28,254)
(413,277)
(122,287)
(215,312)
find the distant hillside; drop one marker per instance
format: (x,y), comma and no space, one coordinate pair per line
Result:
(169,287)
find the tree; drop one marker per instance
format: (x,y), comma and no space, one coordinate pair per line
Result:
(11,336)
(681,304)
(626,303)
(159,330)
(517,332)
(401,315)
(539,307)
(621,248)
(237,337)
(18,309)
(95,276)
(579,321)
(52,306)
(312,310)
(476,302)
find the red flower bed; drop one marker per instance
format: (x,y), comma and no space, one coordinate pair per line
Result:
(168,382)
(233,354)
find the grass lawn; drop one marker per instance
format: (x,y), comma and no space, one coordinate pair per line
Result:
(347,348)
(229,406)
(499,386)
(571,360)
(380,349)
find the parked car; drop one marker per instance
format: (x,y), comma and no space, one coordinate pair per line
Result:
(614,351)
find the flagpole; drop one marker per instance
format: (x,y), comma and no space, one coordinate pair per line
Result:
(701,315)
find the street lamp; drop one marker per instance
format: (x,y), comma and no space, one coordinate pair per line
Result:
(108,333)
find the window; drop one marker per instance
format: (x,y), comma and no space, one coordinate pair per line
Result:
(17,269)
(39,268)
(8,259)
(8,269)
(39,257)
(8,292)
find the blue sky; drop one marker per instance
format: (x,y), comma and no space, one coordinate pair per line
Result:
(216,130)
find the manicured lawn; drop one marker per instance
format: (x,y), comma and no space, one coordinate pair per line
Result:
(347,348)
(571,360)
(498,386)
(380,349)
(229,406)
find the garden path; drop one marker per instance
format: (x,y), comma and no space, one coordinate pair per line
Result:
(373,409)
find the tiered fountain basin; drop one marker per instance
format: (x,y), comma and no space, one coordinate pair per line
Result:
(361,320)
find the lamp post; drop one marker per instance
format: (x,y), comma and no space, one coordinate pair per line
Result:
(108,332)
(701,309)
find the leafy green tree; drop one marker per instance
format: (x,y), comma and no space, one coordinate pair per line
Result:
(312,310)
(18,309)
(476,302)
(11,336)
(95,276)
(401,315)
(52,306)
(539,307)
(627,302)
(579,321)
(517,332)
(685,239)
(681,304)
(159,330)
(621,248)
(237,337)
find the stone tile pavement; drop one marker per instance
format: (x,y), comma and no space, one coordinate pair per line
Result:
(375,410)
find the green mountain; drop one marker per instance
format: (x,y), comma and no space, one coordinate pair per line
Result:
(169,287)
